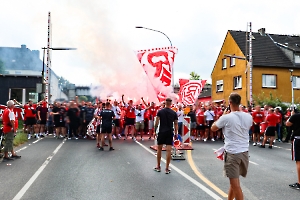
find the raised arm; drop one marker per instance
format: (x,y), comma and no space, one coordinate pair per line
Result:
(144,101)
(123,99)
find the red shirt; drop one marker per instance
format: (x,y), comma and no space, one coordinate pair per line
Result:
(7,127)
(272,119)
(153,112)
(28,110)
(130,112)
(200,117)
(258,117)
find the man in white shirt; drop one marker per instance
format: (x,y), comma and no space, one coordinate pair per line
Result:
(139,121)
(235,125)
(116,121)
(209,116)
(180,115)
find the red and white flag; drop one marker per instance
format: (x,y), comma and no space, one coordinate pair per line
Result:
(190,90)
(158,64)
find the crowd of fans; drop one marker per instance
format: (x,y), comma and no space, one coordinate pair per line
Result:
(71,119)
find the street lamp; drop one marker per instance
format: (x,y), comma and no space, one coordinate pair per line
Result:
(170,44)
(43,72)
(291,79)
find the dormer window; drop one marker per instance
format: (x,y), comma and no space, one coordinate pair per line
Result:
(297,58)
(224,63)
(232,62)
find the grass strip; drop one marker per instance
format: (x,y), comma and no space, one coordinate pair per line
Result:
(20,138)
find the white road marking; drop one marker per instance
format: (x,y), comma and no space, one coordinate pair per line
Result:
(202,187)
(25,147)
(37,173)
(253,163)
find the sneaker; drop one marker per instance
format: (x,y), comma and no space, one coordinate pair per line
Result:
(54,135)
(76,138)
(168,171)
(7,159)
(157,169)
(295,186)
(16,156)
(69,138)
(142,139)
(205,139)
(279,140)
(101,149)
(262,146)
(111,148)
(212,139)
(149,138)
(119,136)
(29,137)
(254,143)
(270,147)
(114,137)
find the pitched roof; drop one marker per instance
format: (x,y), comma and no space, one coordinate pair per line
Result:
(206,91)
(20,58)
(266,48)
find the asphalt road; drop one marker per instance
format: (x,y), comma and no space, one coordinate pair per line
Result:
(76,169)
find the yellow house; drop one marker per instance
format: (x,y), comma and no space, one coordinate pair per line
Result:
(276,60)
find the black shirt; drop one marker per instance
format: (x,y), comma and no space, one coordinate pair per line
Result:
(73,115)
(82,111)
(295,119)
(107,117)
(61,114)
(167,117)
(89,113)
(192,115)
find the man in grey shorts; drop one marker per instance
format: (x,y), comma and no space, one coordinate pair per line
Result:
(235,125)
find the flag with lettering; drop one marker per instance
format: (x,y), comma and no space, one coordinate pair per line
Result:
(190,90)
(158,65)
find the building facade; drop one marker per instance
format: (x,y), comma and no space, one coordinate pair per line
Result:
(274,57)
(22,76)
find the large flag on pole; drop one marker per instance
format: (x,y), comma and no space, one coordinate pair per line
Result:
(190,90)
(158,65)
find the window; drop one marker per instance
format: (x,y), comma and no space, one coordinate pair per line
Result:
(269,81)
(224,63)
(296,82)
(219,86)
(297,58)
(237,82)
(232,62)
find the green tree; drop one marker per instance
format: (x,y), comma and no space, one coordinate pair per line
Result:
(194,76)
(83,98)
(2,67)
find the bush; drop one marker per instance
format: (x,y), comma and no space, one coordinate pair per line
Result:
(20,139)
(270,100)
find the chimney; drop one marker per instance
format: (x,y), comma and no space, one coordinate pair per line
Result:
(262,31)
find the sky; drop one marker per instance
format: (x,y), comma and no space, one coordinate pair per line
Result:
(105,36)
